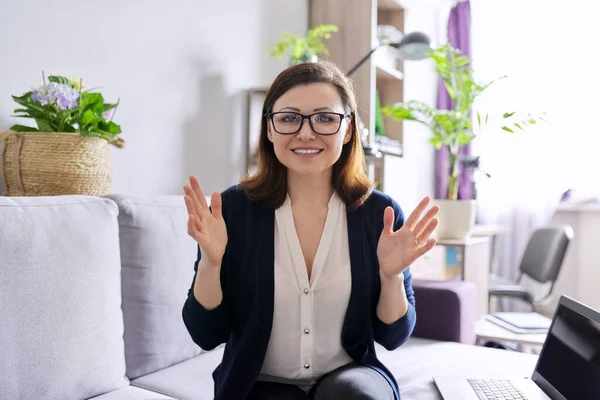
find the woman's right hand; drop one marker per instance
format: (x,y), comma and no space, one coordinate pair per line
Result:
(208,229)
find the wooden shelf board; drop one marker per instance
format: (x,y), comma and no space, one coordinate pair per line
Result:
(392,153)
(387,72)
(389,5)
(388,148)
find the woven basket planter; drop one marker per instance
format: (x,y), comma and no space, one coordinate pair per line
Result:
(53,164)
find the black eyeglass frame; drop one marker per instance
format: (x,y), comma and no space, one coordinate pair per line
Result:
(308,117)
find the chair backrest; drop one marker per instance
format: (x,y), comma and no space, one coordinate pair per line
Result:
(545,252)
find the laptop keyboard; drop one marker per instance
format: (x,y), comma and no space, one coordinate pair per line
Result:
(495,389)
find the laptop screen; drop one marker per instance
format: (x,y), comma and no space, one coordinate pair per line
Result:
(570,359)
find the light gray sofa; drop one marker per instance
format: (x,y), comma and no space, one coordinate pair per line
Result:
(91,292)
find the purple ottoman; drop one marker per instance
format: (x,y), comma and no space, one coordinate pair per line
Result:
(445,310)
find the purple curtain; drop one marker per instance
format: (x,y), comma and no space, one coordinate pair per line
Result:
(459,31)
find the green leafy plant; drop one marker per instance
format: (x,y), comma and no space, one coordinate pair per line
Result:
(454,128)
(302,49)
(61,105)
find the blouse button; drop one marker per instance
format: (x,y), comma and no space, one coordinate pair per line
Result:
(306,330)
(306,291)
(307,366)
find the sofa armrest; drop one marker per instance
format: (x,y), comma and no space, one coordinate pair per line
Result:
(445,310)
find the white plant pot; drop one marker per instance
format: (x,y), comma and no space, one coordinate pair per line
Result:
(456,218)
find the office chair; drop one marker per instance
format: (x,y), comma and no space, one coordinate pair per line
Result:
(541,261)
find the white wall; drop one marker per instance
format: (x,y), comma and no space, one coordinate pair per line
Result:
(179,67)
(180,70)
(410,178)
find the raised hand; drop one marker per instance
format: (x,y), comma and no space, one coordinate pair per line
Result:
(208,229)
(396,251)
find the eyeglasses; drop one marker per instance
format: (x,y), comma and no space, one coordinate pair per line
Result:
(322,123)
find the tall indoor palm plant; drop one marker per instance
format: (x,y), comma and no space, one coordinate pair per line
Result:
(453,129)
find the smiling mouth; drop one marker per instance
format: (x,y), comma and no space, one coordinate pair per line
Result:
(307,151)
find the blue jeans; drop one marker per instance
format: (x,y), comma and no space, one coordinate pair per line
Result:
(351,382)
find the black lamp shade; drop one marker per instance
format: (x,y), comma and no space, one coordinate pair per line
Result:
(413,46)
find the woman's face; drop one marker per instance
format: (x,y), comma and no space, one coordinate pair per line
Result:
(305,151)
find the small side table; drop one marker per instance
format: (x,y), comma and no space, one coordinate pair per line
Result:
(466,259)
(486,330)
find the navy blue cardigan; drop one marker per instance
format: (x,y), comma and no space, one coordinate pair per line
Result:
(245,316)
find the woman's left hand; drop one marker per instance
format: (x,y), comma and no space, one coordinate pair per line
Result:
(396,251)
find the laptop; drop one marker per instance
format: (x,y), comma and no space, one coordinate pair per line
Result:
(568,367)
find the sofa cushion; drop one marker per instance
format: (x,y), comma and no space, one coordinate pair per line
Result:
(157,258)
(60,298)
(132,393)
(189,380)
(414,365)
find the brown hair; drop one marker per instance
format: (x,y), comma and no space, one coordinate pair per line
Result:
(268,185)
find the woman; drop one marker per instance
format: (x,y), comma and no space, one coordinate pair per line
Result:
(302,266)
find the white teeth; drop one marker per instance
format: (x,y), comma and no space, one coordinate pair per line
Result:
(303,151)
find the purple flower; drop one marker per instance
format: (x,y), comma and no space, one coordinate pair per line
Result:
(58,94)
(39,97)
(66,103)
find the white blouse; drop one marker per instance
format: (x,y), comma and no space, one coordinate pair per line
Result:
(308,315)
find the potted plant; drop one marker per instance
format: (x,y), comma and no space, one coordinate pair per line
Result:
(304,49)
(67,151)
(454,129)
